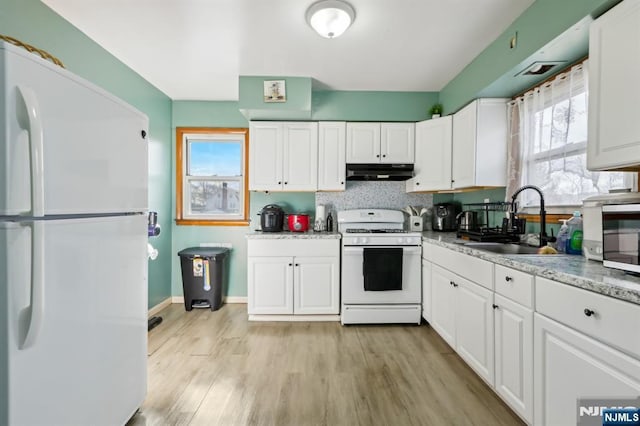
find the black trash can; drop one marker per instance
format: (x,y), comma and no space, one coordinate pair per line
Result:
(204,276)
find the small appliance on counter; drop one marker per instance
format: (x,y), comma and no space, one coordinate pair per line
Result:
(298,222)
(271,218)
(621,237)
(467,220)
(444,217)
(592,217)
(153,229)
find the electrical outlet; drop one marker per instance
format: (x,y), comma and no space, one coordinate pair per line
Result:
(513,42)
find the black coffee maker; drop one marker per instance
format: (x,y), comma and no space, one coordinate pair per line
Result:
(272,218)
(444,216)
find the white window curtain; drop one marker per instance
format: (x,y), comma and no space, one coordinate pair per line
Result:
(548,142)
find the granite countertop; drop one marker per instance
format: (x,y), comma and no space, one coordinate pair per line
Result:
(284,235)
(565,268)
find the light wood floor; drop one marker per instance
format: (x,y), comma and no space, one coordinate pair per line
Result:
(216,368)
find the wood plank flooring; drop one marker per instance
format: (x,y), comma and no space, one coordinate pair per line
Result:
(216,368)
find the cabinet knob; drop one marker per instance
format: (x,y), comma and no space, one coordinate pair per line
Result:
(384,155)
(291,264)
(495,306)
(377,155)
(341,183)
(452,180)
(454,284)
(297,264)
(279,182)
(589,312)
(286,183)
(450,282)
(508,278)
(417,183)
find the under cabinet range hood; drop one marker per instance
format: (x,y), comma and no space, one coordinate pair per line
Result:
(378,171)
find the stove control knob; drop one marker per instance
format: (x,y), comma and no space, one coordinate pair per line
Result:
(400,240)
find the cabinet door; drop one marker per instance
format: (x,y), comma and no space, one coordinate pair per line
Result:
(433,156)
(270,285)
(426,290)
(331,156)
(463,170)
(514,355)
(614,88)
(265,156)
(569,365)
(300,157)
(397,141)
(474,327)
(363,143)
(443,310)
(316,285)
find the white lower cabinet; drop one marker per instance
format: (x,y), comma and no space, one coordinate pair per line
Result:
(303,279)
(568,365)
(315,285)
(514,355)
(270,285)
(462,313)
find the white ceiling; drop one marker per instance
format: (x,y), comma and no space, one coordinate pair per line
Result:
(196,49)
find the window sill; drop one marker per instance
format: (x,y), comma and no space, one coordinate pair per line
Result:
(552,218)
(205,222)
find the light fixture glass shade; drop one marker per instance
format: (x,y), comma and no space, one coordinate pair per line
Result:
(330,18)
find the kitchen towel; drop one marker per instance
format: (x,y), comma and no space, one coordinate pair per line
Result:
(382,269)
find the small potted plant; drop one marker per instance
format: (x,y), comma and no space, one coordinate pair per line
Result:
(436,110)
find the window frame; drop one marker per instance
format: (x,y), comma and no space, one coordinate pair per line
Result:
(560,210)
(181,180)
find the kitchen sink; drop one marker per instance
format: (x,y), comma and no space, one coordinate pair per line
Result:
(502,248)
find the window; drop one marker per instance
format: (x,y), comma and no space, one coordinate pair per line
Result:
(211,178)
(549,144)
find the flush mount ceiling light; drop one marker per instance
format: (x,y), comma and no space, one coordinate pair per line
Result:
(330,18)
(539,68)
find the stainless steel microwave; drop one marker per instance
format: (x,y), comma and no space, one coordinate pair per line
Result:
(621,237)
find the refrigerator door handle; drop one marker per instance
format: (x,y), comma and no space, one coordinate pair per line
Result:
(32,123)
(37,284)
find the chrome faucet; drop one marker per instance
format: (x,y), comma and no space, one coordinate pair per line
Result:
(543,215)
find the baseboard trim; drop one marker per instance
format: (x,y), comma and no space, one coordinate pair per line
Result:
(295,318)
(160,306)
(228,299)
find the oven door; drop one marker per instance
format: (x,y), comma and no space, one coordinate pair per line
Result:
(353,281)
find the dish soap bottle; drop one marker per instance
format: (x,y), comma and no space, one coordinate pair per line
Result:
(563,234)
(329,223)
(574,238)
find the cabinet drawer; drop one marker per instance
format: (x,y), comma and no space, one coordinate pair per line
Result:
(515,285)
(610,320)
(293,247)
(477,270)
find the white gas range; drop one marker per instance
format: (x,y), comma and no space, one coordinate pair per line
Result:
(381,268)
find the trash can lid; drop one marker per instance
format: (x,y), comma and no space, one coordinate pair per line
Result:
(204,252)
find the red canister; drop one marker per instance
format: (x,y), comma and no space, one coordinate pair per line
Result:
(298,222)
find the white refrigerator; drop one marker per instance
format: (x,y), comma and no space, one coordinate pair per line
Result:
(73,248)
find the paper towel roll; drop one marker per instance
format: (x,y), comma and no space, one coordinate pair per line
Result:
(320,213)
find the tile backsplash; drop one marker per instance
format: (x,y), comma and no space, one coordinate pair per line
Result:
(376,194)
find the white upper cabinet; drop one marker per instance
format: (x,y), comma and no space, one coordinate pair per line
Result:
(380,143)
(331,156)
(283,156)
(432,166)
(479,153)
(614,89)
(397,142)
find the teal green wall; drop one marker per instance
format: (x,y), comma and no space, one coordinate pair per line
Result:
(34,23)
(542,22)
(297,106)
(372,106)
